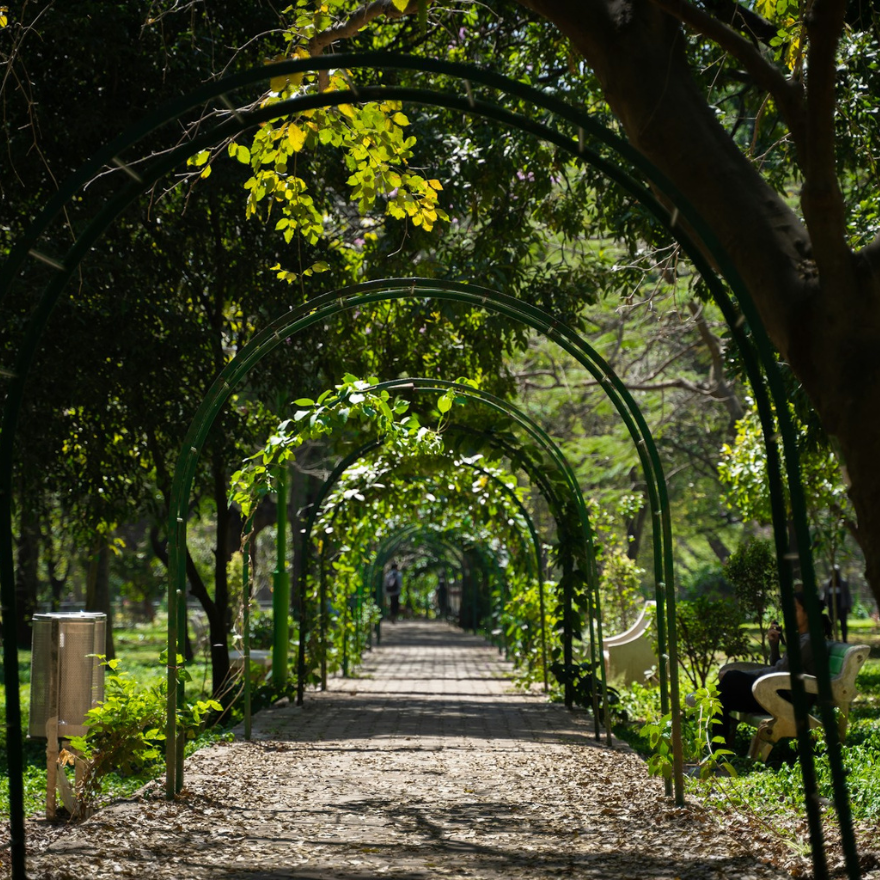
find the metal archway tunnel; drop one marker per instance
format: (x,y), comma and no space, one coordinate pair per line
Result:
(136,180)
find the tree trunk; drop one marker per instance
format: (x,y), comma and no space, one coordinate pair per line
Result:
(98,590)
(160,548)
(635,525)
(56,583)
(26,577)
(819,302)
(216,631)
(719,548)
(301,495)
(223,550)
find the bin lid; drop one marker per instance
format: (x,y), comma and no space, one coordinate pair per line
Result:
(70,615)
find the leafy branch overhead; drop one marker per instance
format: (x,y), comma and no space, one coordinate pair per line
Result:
(351,401)
(375,148)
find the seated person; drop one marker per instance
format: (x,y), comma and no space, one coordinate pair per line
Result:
(735,685)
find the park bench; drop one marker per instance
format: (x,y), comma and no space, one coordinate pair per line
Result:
(844,662)
(261,663)
(630,655)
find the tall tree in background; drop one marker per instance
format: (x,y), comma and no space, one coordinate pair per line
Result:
(735,104)
(815,274)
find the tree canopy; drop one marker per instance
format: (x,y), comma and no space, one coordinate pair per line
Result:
(260,224)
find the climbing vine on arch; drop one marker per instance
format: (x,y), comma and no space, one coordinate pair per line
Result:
(439,500)
(353,401)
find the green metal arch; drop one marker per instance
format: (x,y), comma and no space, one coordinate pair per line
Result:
(438,541)
(390,544)
(764,357)
(535,564)
(314,511)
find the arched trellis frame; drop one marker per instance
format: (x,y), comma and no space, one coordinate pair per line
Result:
(391,543)
(542,439)
(759,361)
(307,537)
(448,539)
(325,307)
(536,564)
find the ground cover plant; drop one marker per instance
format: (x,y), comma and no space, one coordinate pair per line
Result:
(138,650)
(768,797)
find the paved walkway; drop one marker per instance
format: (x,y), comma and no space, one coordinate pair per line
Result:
(426,765)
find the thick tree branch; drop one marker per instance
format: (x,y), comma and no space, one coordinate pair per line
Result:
(723,390)
(357,21)
(682,384)
(788,94)
(870,258)
(743,19)
(823,202)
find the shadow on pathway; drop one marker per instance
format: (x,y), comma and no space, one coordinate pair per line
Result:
(428,764)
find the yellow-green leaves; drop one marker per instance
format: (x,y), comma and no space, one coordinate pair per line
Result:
(296,136)
(790,39)
(240,152)
(376,152)
(199,160)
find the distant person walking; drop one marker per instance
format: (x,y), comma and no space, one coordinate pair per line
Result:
(393,589)
(838,600)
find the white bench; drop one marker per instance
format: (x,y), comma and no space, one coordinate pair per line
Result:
(630,654)
(844,662)
(261,663)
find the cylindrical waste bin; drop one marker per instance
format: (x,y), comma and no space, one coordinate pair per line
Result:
(67,678)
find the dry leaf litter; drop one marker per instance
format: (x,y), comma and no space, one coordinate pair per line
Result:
(427,765)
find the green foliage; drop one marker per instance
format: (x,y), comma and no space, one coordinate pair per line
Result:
(707,627)
(522,622)
(620,588)
(262,629)
(773,790)
(743,472)
(753,572)
(370,136)
(640,702)
(126,730)
(699,747)
(353,400)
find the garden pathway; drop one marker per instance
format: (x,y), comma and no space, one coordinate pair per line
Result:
(429,764)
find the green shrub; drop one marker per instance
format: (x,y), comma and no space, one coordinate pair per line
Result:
(640,702)
(126,731)
(708,626)
(753,572)
(699,748)
(771,790)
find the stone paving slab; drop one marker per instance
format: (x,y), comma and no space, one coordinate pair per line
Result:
(428,764)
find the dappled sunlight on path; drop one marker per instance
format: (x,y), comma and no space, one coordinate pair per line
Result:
(428,764)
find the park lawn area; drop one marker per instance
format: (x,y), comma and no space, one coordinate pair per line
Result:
(138,649)
(767,799)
